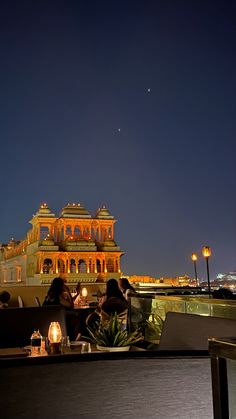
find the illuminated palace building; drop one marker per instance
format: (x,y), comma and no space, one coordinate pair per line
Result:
(75,244)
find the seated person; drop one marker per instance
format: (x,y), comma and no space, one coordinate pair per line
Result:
(109,303)
(4,298)
(114,302)
(58,294)
(126,288)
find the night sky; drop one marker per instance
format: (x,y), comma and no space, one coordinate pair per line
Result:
(131,104)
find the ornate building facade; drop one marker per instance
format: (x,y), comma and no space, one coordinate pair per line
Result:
(74,245)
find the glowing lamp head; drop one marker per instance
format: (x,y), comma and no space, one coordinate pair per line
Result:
(206,252)
(194,257)
(84,292)
(54,332)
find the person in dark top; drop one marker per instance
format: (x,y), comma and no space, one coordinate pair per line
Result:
(114,302)
(4,298)
(58,294)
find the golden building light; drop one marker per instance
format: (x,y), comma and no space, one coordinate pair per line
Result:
(206,253)
(54,337)
(194,258)
(72,235)
(84,292)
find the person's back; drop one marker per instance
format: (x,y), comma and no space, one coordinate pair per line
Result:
(114,305)
(115,301)
(51,300)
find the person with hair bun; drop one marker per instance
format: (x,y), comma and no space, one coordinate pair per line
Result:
(114,302)
(126,288)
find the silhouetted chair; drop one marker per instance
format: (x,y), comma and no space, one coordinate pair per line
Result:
(20,301)
(37,301)
(191,331)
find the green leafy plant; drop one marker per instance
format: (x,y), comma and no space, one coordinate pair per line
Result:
(111,334)
(154,327)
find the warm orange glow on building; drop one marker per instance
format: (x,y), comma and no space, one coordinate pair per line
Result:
(177,281)
(75,244)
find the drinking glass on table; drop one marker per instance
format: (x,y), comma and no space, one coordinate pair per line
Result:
(85,348)
(45,346)
(65,343)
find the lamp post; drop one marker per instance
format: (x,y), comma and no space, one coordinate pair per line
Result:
(206,253)
(194,259)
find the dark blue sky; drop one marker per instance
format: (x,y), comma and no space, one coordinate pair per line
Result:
(75,72)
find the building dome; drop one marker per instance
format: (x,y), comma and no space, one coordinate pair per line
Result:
(77,241)
(74,211)
(109,243)
(103,213)
(78,244)
(12,243)
(44,211)
(48,241)
(108,246)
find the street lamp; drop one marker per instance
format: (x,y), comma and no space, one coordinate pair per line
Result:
(194,259)
(206,253)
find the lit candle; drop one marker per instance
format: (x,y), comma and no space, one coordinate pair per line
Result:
(55,337)
(84,292)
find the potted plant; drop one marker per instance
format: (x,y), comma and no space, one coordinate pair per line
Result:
(153,329)
(110,336)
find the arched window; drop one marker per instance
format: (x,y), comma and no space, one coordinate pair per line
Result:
(72,266)
(77,231)
(68,231)
(82,266)
(47,266)
(12,276)
(99,268)
(109,231)
(44,232)
(96,234)
(93,233)
(18,273)
(61,266)
(103,234)
(110,265)
(91,266)
(86,233)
